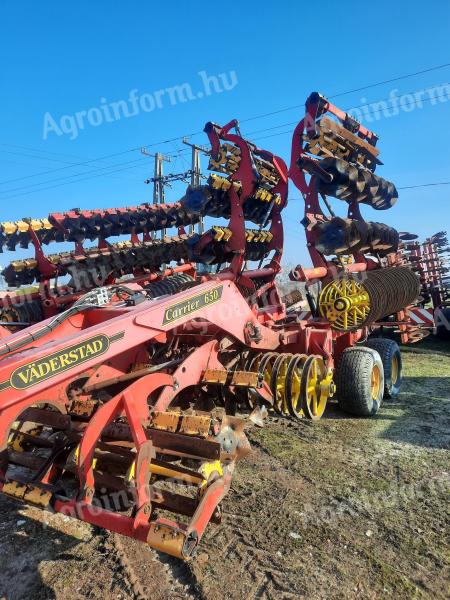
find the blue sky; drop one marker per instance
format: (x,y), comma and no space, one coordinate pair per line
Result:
(60,59)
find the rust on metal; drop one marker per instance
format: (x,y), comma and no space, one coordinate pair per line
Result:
(167,421)
(169,540)
(195,425)
(245,379)
(83,408)
(215,376)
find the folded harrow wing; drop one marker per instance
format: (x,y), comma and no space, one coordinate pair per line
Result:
(254,177)
(358,281)
(339,156)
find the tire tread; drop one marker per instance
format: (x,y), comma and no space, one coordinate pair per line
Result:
(352,377)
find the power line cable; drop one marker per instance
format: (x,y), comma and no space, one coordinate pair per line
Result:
(419,185)
(66,183)
(32,149)
(79,164)
(370,114)
(405,187)
(65,177)
(360,89)
(398,78)
(70,164)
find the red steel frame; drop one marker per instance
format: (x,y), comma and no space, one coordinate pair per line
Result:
(140,326)
(316,106)
(247,174)
(135,327)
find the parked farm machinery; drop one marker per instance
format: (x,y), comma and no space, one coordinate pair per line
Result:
(430,261)
(334,155)
(119,404)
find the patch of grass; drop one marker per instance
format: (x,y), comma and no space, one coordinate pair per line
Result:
(432,365)
(429,344)
(395,583)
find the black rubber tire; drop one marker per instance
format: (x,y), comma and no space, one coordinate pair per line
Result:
(442,318)
(388,351)
(354,381)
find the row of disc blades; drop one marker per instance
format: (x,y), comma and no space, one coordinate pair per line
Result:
(204,200)
(169,285)
(346,236)
(149,218)
(215,252)
(124,258)
(198,202)
(351,182)
(93,268)
(96,225)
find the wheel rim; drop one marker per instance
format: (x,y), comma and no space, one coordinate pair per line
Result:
(375,382)
(265,367)
(394,370)
(314,398)
(344,303)
(278,383)
(311,388)
(293,385)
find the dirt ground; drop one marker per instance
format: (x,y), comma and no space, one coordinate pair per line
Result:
(342,508)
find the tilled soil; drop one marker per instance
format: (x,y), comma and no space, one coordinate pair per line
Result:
(342,508)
